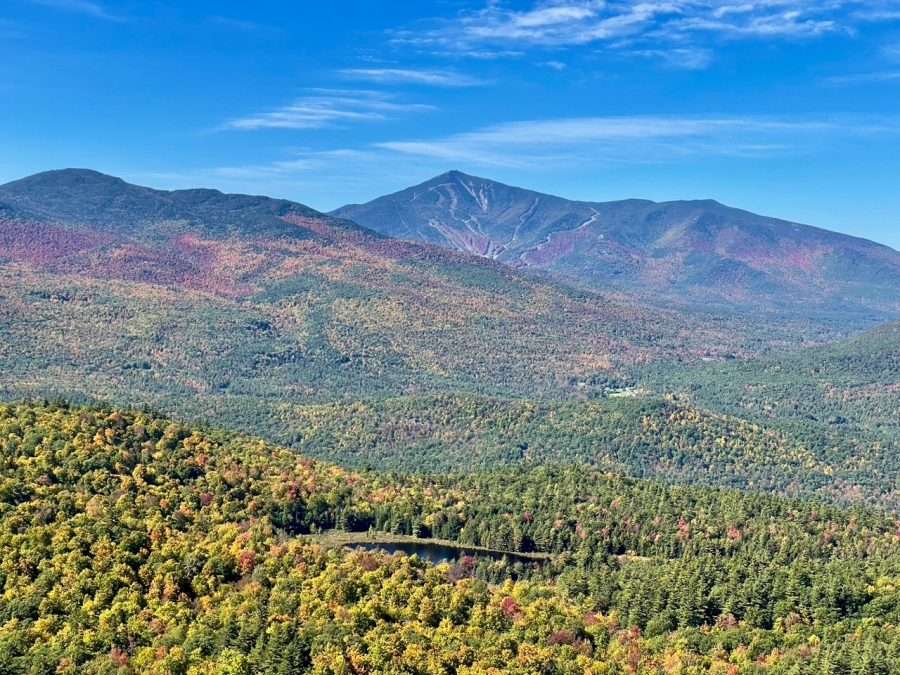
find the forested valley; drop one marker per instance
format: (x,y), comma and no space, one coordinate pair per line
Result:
(132,543)
(217,408)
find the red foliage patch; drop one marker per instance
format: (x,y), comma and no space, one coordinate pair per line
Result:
(510,608)
(43,244)
(247,561)
(119,657)
(464,569)
(561,637)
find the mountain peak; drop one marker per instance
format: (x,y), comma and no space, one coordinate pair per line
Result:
(455,175)
(84,197)
(699,252)
(67,176)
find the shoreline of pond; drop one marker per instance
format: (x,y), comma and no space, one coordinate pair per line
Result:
(397,542)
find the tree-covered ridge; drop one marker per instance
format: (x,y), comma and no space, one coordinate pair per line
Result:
(274,369)
(851,385)
(636,435)
(296,290)
(129,543)
(841,399)
(313,314)
(246,313)
(319,334)
(330,334)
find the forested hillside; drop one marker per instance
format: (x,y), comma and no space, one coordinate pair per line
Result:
(842,394)
(636,434)
(131,543)
(124,293)
(463,428)
(266,317)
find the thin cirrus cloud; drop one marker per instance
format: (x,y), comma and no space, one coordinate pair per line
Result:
(683,58)
(553,64)
(644,28)
(582,142)
(565,144)
(242,25)
(85,7)
(886,75)
(616,139)
(303,162)
(435,78)
(881,77)
(328,107)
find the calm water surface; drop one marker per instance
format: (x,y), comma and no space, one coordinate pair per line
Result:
(439,553)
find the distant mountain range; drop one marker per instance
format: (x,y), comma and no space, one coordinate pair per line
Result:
(266,316)
(689,252)
(235,306)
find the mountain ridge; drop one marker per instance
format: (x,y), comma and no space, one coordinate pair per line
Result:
(456,174)
(91,198)
(245,312)
(245,304)
(698,252)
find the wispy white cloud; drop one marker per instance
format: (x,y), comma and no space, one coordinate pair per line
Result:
(558,66)
(878,11)
(883,71)
(618,139)
(435,78)
(683,58)
(884,76)
(328,107)
(581,146)
(86,7)
(645,27)
(300,162)
(242,25)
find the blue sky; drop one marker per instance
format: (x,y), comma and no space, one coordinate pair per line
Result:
(785,107)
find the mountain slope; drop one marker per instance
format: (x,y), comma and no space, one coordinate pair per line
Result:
(698,252)
(851,387)
(107,203)
(226,306)
(87,223)
(252,323)
(134,544)
(642,436)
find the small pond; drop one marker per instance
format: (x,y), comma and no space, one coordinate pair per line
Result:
(441,553)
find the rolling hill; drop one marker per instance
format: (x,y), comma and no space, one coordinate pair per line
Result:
(848,388)
(699,253)
(228,304)
(135,544)
(265,316)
